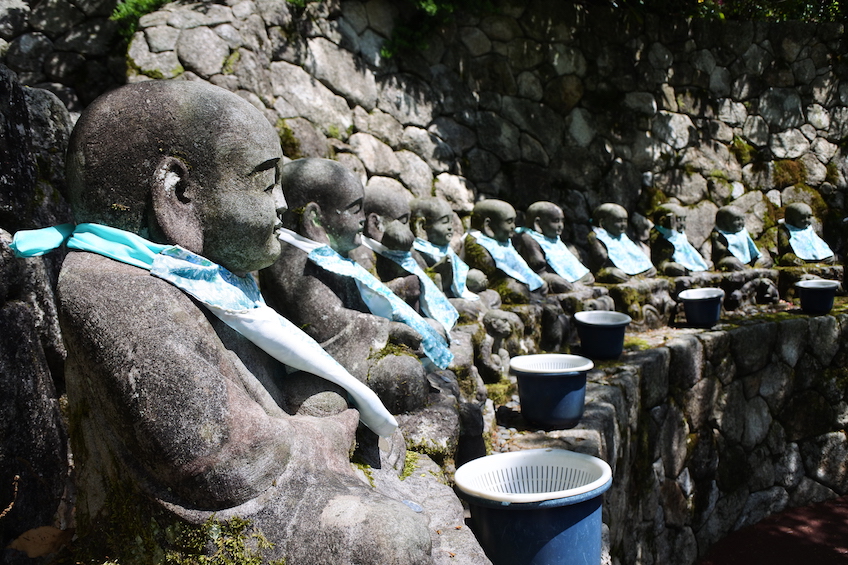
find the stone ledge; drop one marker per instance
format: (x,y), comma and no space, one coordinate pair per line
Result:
(710,431)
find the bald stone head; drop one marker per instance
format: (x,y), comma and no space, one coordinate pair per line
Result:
(325,201)
(494,218)
(546,218)
(611,217)
(670,216)
(432,219)
(182,163)
(799,215)
(730,219)
(383,206)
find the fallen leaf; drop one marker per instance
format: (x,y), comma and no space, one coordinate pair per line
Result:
(42,541)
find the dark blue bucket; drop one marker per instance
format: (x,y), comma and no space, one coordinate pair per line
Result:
(551,388)
(817,296)
(601,333)
(702,306)
(549,525)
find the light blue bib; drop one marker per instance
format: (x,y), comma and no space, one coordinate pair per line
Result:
(741,245)
(233,299)
(557,255)
(508,260)
(807,244)
(381,301)
(458,266)
(623,253)
(684,252)
(434,303)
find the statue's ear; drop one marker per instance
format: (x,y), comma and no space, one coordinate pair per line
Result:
(374,226)
(312,223)
(537,224)
(175,205)
(487,228)
(417,226)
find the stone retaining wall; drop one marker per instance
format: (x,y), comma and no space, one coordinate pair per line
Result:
(710,431)
(554,100)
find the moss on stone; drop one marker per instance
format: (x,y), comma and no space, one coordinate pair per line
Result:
(501,392)
(288,141)
(409,464)
(467,386)
(367,471)
(505,291)
(391,349)
(230,63)
(744,152)
(627,299)
(442,455)
(788,172)
(831,173)
(634,343)
(232,542)
(651,199)
(128,12)
(476,256)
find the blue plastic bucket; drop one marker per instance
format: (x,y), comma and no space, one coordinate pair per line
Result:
(702,306)
(816,295)
(601,333)
(536,507)
(551,388)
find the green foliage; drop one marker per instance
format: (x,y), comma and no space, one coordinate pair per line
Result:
(423,18)
(128,12)
(218,543)
(816,11)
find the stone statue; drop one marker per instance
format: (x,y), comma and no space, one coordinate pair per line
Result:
(732,246)
(540,244)
(387,211)
(639,232)
(491,355)
(432,224)
(376,335)
(317,286)
(671,252)
(489,249)
(613,256)
(797,242)
(177,415)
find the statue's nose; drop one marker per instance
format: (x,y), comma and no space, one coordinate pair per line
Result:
(279,200)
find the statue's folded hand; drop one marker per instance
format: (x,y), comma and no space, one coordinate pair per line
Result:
(401,334)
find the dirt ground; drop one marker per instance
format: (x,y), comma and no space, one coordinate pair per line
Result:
(812,535)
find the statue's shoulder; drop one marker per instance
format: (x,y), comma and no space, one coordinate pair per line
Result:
(525,240)
(89,282)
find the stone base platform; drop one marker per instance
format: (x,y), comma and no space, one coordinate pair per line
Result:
(709,431)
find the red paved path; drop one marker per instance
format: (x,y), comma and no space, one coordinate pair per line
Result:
(812,535)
